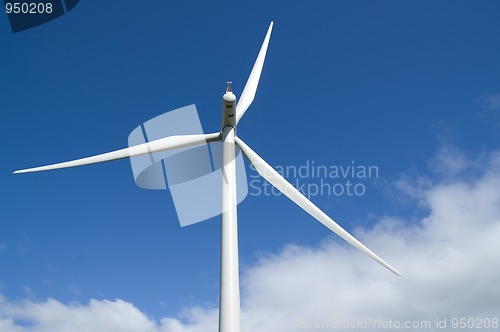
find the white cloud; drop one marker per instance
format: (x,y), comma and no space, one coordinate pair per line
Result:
(54,316)
(449,261)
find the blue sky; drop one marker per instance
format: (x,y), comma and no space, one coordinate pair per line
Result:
(396,84)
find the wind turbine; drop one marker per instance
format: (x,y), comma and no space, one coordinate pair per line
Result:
(229,310)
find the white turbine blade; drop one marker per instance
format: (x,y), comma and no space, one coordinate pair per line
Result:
(274,178)
(162,144)
(248,93)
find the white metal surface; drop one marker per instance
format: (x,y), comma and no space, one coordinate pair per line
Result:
(229,309)
(274,178)
(248,93)
(162,144)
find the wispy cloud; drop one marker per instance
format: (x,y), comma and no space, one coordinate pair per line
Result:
(449,261)
(491,102)
(490,109)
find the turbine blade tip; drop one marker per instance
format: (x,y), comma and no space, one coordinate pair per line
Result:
(396,272)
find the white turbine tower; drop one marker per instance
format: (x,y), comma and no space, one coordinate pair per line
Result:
(229,311)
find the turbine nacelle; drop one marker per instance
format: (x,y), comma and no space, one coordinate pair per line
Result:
(228,108)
